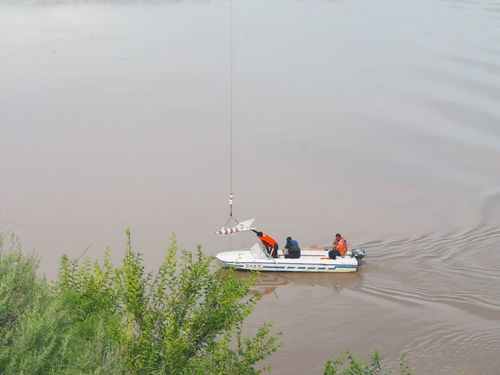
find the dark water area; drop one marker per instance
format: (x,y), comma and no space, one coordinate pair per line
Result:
(379,120)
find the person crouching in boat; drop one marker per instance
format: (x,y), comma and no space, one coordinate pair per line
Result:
(339,247)
(293,249)
(269,243)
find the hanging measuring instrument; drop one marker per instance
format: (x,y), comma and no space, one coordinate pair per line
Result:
(245,225)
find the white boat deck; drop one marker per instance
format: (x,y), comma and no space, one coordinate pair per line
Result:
(313,260)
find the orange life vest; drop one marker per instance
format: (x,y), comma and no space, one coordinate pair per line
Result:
(268,241)
(341,245)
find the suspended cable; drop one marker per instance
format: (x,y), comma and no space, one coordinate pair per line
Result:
(231,58)
(245,225)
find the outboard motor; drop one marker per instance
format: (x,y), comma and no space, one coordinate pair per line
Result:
(359,254)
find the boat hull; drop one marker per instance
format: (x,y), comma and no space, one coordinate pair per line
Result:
(254,259)
(279,267)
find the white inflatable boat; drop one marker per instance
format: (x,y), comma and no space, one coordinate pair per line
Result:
(311,260)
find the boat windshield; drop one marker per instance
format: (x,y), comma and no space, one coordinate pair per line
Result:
(257,251)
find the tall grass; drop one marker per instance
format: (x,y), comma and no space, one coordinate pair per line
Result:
(19,286)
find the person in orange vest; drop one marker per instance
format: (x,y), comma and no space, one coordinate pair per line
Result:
(339,247)
(269,243)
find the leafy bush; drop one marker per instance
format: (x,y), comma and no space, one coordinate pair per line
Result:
(348,364)
(19,286)
(185,318)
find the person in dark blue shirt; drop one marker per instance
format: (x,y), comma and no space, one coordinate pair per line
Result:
(293,249)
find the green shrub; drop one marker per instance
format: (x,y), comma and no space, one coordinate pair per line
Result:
(185,318)
(348,364)
(19,287)
(44,331)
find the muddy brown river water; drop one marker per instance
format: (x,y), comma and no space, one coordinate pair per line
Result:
(376,119)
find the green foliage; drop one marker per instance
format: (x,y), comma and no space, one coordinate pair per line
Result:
(348,364)
(45,331)
(185,318)
(404,366)
(18,284)
(177,320)
(52,339)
